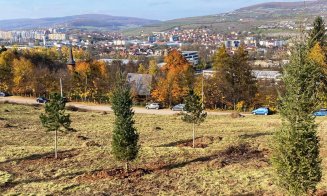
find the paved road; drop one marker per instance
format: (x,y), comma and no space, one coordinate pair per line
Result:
(97,107)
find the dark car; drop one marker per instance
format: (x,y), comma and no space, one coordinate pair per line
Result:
(65,99)
(3,94)
(179,107)
(261,111)
(321,112)
(42,100)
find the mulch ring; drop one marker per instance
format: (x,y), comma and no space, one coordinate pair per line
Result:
(200,142)
(113,173)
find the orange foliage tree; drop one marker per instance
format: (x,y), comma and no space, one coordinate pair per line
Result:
(175,80)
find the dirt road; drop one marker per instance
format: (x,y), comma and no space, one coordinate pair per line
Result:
(98,107)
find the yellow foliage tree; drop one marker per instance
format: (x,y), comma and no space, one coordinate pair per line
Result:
(153,67)
(23,71)
(318,55)
(89,79)
(142,69)
(6,77)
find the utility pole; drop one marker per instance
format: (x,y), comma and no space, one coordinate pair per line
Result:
(61,93)
(202,88)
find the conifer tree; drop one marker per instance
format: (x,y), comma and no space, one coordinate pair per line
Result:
(221,59)
(296,145)
(125,137)
(194,112)
(318,33)
(234,75)
(54,117)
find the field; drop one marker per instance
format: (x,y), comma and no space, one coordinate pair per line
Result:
(231,158)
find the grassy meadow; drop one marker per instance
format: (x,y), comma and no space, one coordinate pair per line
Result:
(231,158)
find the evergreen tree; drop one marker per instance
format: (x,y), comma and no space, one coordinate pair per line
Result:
(54,117)
(296,145)
(235,76)
(241,79)
(221,59)
(194,112)
(318,33)
(125,136)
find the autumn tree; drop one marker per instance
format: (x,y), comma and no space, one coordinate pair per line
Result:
(44,81)
(55,118)
(318,53)
(175,80)
(296,145)
(131,67)
(23,70)
(6,70)
(142,69)
(153,67)
(89,79)
(212,91)
(125,137)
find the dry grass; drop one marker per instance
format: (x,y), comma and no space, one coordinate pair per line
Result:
(223,166)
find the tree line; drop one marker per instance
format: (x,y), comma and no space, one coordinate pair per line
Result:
(36,72)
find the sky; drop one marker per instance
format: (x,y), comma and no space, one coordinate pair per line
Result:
(150,9)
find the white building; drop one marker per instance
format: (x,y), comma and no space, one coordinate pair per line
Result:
(191,56)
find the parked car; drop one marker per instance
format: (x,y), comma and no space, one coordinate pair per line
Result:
(321,112)
(152,106)
(179,107)
(3,94)
(65,99)
(42,100)
(261,111)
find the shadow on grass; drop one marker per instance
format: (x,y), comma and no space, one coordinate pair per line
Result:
(254,135)
(48,155)
(183,164)
(173,144)
(200,142)
(233,154)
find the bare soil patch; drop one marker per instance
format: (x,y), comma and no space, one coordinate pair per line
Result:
(113,173)
(240,154)
(321,192)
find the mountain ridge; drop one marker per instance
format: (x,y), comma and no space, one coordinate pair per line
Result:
(76,21)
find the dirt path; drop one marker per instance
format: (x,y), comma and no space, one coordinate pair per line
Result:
(98,107)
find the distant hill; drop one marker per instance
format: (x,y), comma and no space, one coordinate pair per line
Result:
(245,18)
(79,21)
